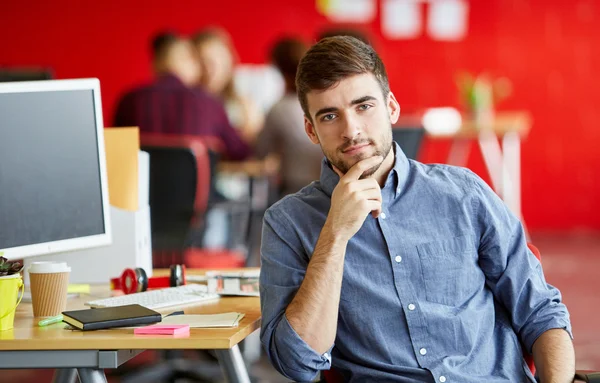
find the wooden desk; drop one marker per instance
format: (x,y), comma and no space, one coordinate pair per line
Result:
(252,168)
(503,123)
(90,352)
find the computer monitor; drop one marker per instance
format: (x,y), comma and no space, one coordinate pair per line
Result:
(53,184)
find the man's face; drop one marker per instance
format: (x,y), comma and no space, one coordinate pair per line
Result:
(217,65)
(182,62)
(352,121)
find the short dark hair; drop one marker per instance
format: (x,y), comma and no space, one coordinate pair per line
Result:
(162,43)
(286,55)
(333,59)
(209,34)
(347,31)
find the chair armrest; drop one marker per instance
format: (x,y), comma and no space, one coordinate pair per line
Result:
(587,376)
(213,143)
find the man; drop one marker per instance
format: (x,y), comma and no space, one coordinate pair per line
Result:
(172,105)
(283,133)
(388,269)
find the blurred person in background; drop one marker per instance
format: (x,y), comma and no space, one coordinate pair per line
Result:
(171,104)
(218,59)
(284,134)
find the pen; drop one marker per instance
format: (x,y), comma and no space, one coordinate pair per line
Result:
(47,321)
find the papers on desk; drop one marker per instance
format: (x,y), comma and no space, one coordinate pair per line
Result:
(242,283)
(205,321)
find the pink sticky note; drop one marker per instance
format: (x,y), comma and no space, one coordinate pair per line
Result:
(163,329)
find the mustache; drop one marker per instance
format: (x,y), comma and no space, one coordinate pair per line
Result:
(351,143)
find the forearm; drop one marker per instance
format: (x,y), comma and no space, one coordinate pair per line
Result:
(554,357)
(313,312)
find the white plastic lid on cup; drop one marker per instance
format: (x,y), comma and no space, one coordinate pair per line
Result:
(48,267)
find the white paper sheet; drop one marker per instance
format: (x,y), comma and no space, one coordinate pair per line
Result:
(205,321)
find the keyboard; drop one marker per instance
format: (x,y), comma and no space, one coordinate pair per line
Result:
(156,299)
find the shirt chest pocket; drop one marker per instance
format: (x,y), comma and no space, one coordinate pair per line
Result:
(450,270)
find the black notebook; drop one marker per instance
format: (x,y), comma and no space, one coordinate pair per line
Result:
(108,317)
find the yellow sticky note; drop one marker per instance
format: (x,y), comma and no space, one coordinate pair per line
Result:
(122,146)
(78,289)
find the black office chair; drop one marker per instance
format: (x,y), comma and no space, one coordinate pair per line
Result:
(180,179)
(172,195)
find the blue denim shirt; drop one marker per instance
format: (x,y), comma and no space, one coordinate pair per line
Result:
(440,288)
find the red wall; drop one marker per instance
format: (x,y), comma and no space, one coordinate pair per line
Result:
(547,48)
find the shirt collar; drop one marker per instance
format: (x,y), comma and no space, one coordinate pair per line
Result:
(329,179)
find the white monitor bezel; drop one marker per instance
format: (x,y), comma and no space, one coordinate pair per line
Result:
(78,243)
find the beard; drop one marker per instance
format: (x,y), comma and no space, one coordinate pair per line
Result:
(382,149)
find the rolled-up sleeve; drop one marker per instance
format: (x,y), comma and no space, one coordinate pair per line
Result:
(512,271)
(283,266)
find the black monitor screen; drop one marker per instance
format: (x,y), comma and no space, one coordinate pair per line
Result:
(50,186)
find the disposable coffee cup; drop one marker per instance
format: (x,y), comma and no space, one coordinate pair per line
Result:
(48,282)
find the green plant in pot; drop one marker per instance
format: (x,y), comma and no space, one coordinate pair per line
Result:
(10,284)
(8,268)
(480,94)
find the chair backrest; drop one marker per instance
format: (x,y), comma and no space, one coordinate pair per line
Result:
(215,148)
(409,138)
(179,186)
(214,153)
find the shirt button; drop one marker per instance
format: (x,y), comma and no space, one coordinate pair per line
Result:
(411,307)
(423,351)
(442,378)
(398,258)
(382,215)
